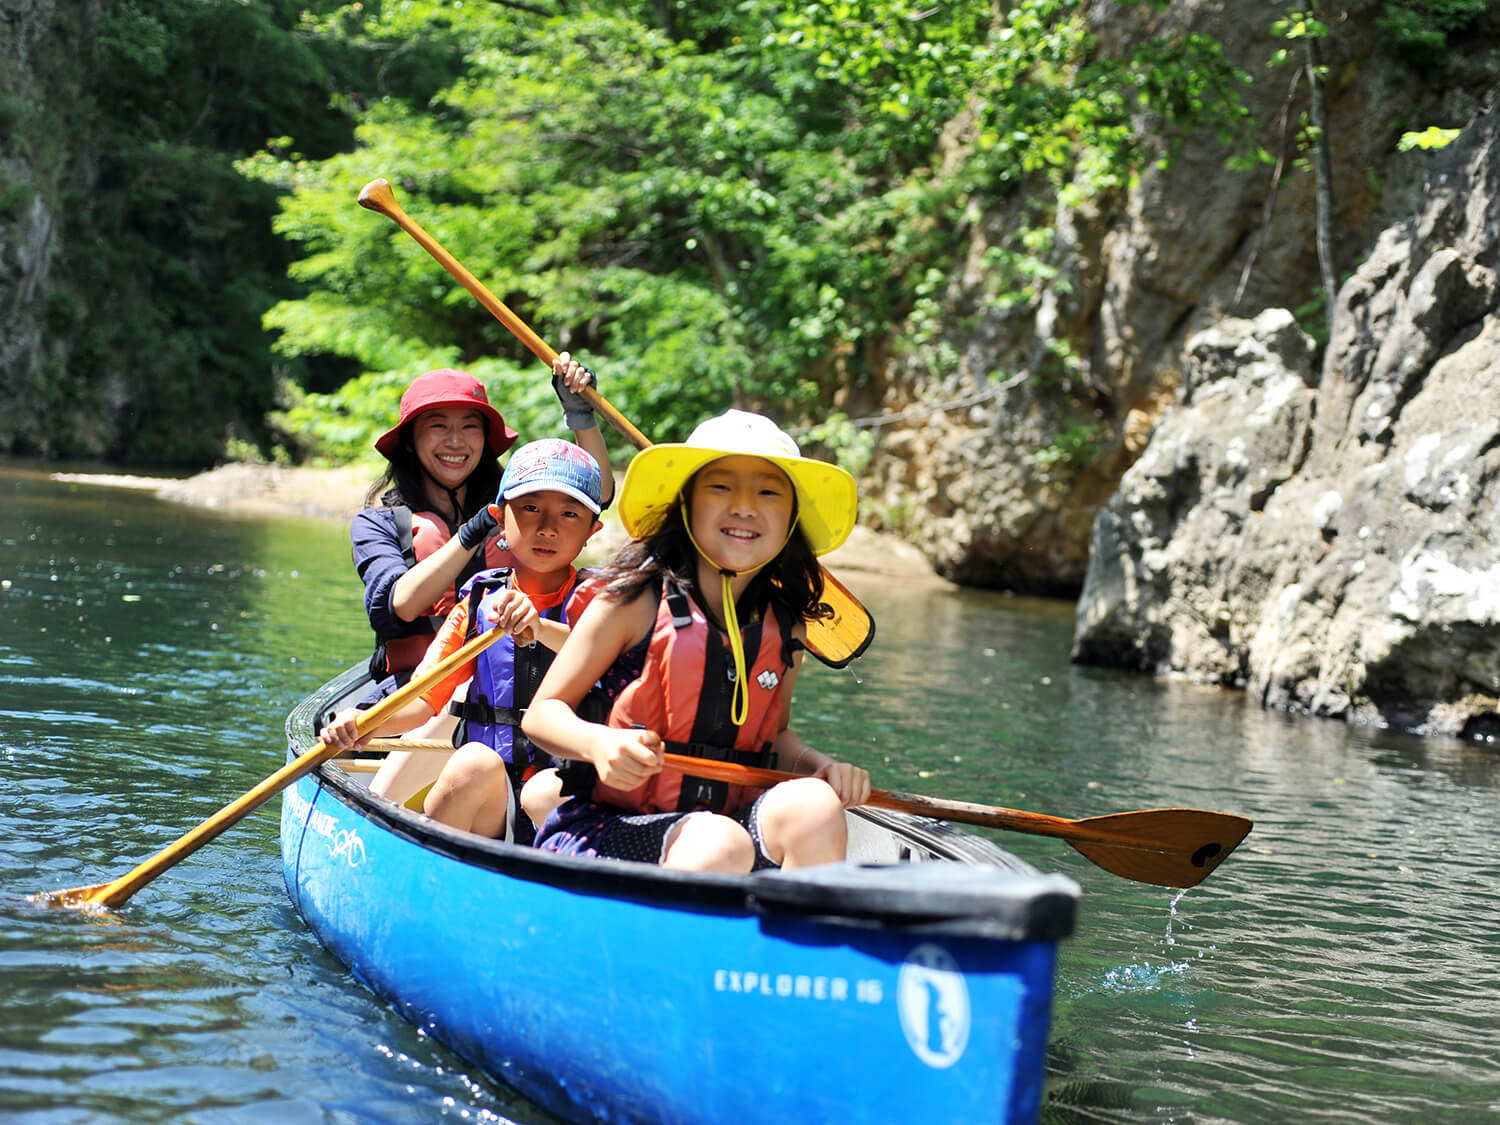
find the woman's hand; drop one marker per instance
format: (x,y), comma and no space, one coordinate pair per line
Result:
(479,527)
(569,378)
(851,783)
(625,758)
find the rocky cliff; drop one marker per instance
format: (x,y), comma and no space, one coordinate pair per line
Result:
(45,154)
(996,463)
(1330,539)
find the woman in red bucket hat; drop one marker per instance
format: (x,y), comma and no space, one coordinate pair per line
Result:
(426,527)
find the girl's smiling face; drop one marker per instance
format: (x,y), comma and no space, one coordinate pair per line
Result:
(449,444)
(740,511)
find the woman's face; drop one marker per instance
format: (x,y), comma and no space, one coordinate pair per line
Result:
(449,443)
(741,511)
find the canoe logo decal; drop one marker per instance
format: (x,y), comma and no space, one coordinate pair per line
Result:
(348,844)
(343,842)
(934,1004)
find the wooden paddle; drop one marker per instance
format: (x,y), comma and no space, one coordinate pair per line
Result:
(1167,847)
(843,631)
(117,892)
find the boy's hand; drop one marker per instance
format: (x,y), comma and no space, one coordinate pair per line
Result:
(851,783)
(513,613)
(625,758)
(340,730)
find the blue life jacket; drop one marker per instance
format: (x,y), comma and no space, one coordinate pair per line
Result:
(506,676)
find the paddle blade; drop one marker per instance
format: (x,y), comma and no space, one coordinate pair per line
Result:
(1167,847)
(78,898)
(843,630)
(116,893)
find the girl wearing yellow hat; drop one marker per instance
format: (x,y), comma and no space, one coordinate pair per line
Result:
(697,634)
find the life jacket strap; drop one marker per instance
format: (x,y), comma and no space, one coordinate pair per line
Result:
(761,758)
(678,606)
(484,713)
(700,792)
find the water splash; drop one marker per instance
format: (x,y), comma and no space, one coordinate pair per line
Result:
(1141,978)
(1144,977)
(1172,913)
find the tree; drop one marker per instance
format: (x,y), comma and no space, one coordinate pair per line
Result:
(720,202)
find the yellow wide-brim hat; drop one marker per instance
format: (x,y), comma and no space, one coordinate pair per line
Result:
(827,499)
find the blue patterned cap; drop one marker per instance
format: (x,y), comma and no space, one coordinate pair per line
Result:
(553,465)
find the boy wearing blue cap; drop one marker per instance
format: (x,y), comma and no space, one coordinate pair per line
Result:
(547,509)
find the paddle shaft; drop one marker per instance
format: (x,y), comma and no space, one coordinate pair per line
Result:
(1166,847)
(964,812)
(378,196)
(115,893)
(825,639)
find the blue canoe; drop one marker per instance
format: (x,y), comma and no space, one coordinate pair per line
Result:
(912,983)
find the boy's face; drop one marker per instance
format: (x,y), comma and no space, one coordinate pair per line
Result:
(546,530)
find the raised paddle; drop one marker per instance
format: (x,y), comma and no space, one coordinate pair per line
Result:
(845,628)
(1167,847)
(117,892)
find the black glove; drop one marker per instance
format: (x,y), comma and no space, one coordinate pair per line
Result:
(577,413)
(479,527)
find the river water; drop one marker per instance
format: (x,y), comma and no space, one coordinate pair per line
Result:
(1340,966)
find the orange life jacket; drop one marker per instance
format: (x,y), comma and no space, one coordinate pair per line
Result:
(684,693)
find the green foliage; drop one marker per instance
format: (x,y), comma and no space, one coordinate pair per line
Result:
(14,196)
(1070,451)
(840,440)
(1422,29)
(13,117)
(729,201)
(1301,23)
(1312,317)
(1429,139)
(734,201)
(167,267)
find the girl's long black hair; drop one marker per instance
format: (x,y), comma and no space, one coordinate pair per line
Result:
(404,482)
(793,580)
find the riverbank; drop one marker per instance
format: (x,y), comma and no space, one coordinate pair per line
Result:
(336,494)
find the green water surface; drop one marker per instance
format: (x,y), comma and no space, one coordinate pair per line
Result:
(1341,966)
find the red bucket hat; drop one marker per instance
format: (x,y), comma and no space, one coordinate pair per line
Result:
(441,389)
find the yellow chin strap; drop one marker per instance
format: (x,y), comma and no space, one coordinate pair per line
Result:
(739,705)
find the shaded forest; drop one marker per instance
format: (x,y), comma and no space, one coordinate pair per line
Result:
(713,202)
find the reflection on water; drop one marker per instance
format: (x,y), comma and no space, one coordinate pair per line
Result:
(1338,967)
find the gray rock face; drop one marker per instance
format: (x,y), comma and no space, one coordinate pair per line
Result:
(1332,544)
(1089,361)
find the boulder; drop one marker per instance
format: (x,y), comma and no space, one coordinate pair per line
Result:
(1330,541)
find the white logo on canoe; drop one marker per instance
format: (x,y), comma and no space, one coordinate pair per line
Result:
(346,842)
(343,842)
(933,1000)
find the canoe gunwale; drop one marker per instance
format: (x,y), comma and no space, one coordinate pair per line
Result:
(987,893)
